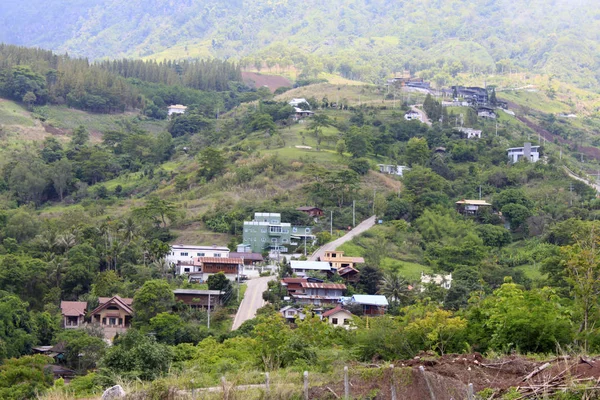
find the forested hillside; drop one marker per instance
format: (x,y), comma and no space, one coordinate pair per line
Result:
(361,39)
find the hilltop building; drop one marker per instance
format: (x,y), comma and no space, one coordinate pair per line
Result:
(267,232)
(527,152)
(176,109)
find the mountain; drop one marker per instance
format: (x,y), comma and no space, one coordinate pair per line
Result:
(360,39)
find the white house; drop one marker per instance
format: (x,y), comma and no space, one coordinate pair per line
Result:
(392,169)
(182,256)
(470,133)
(486,112)
(527,152)
(444,281)
(412,114)
(290,313)
(339,317)
(176,109)
(296,102)
(302,268)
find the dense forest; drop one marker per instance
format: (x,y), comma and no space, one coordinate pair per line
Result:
(363,40)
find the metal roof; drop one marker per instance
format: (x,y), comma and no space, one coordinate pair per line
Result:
(312,285)
(474,202)
(370,299)
(220,260)
(198,292)
(316,265)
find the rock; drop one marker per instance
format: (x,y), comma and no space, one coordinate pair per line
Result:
(115,392)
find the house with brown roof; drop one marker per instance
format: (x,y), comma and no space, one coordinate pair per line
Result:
(248,258)
(294,285)
(199,299)
(338,261)
(73,313)
(338,317)
(311,211)
(471,207)
(206,266)
(114,314)
(319,293)
(349,274)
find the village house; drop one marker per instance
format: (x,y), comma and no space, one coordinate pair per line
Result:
(444,281)
(413,115)
(371,304)
(486,112)
(311,211)
(114,314)
(290,313)
(337,260)
(176,109)
(73,313)
(471,207)
(527,152)
(294,285)
(349,274)
(392,169)
(207,266)
(267,232)
(469,133)
(199,299)
(181,257)
(319,293)
(300,113)
(339,317)
(296,102)
(303,268)
(248,258)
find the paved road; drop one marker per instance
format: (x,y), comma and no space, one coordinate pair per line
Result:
(572,175)
(423,115)
(360,228)
(252,300)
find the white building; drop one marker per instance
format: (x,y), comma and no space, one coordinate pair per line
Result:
(392,169)
(527,152)
(412,114)
(302,268)
(182,254)
(470,133)
(176,109)
(444,281)
(339,317)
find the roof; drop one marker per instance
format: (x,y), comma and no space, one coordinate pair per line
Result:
(312,285)
(198,292)
(314,265)
(474,202)
(347,270)
(247,256)
(336,310)
(178,106)
(523,148)
(274,215)
(126,300)
(308,208)
(192,247)
(73,308)
(220,260)
(123,303)
(370,299)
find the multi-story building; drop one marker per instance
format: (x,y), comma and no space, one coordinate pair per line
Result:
(182,256)
(527,152)
(267,232)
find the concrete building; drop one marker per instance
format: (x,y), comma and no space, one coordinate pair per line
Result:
(176,109)
(392,169)
(73,313)
(199,299)
(267,232)
(444,281)
(303,268)
(470,133)
(527,152)
(338,317)
(182,256)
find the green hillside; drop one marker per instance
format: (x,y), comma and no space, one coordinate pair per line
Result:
(359,39)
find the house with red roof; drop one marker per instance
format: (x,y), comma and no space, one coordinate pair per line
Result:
(73,313)
(114,314)
(338,317)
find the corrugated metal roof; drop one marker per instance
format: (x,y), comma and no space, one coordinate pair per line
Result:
(474,202)
(220,260)
(198,292)
(370,299)
(316,265)
(311,285)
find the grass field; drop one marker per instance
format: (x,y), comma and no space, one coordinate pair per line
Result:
(12,113)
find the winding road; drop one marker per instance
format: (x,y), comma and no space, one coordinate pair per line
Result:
(360,228)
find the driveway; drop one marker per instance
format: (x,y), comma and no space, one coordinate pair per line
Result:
(252,300)
(360,228)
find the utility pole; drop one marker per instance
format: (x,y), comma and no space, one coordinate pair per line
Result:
(331,224)
(208,321)
(305,244)
(496,127)
(353,213)
(238,282)
(571,194)
(374,191)
(479,192)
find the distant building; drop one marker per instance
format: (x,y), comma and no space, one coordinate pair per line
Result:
(300,113)
(338,317)
(206,266)
(296,102)
(73,313)
(267,233)
(114,314)
(471,207)
(176,109)
(392,169)
(319,293)
(470,133)
(303,268)
(371,304)
(412,114)
(337,259)
(444,281)
(486,112)
(181,256)
(199,299)
(473,94)
(311,211)
(290,313)
(527,152)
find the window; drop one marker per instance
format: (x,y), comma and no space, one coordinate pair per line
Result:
(263,230)
(184,254)
(295,229)
(263,239)
(186,270)
(286,231)
(274,240)
(284,240)
(275,229)
(217,255)
(274,221)
(346,322)
(334,321)
(307,230)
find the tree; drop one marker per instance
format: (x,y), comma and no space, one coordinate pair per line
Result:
(369,280)
(152,298)
(17,335)
(494,236)
(358,142)
(25,378)
(80,137)
(417,151)
(360,165)
(317,123)
(83,348)
(61,173)
(157,211)
(29,98)
(394,288)
(220,282)
(516,214)
(211,163)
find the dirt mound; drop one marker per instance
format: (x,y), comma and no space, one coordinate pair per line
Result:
(257,80)
(426,377)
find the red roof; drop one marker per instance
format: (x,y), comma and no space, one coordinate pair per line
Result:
(247,256)
(118,301)
(73,308)
(294,280)
(126,300)
(310,285)
(335,310)
(219,260)
(308,208)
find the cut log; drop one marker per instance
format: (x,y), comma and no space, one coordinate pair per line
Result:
(536,371)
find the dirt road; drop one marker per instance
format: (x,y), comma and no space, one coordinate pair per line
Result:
(360,228)
(252,300)
(572,175)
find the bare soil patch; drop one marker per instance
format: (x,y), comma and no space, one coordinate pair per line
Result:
(273,82)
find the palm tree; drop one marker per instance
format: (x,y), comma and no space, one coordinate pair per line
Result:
(394,287)
(66,242)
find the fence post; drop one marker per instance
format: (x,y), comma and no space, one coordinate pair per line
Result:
(431,393)
(346,384)
(305,385)
(393,380)
(267,383)
(193,390)
(470,394)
